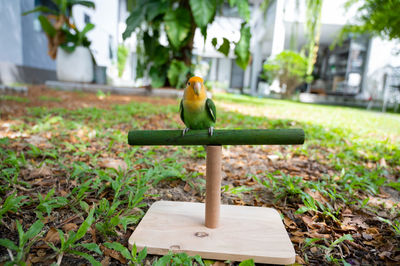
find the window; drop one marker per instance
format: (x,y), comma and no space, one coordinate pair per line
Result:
(87,19)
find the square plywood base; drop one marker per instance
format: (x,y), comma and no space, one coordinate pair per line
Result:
(244,233)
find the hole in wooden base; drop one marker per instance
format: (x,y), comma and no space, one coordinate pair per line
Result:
(201,234)
(175,247)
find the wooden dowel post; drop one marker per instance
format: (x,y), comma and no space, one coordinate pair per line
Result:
(213,185)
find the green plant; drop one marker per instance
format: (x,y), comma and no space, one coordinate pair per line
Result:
(290,68)
(26,240)
(325,210)
(122,56)
(12,203)
(134,257)
(179,20)
(14,98)
(395,225)
(48,203)
(69,242)
(376,17)
(76,38)
(285,186)
(329,247)
(178,259)
(59,26)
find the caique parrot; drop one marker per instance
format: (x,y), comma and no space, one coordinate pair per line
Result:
(196,110)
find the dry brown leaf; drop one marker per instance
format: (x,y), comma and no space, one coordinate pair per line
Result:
(69,227)
(113,254)
(316,195)
(43,171)
(308,221)
(116,164)
(289,223)
(300,260)
(52,236)
(187,187)
(297,239)
(105,261)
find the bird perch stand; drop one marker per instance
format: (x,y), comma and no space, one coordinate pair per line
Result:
(227,232)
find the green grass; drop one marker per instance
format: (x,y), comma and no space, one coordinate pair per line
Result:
(14,98)
(49,99)
(342,139)
(367,124)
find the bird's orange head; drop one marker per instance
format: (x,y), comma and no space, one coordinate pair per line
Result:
(195,89)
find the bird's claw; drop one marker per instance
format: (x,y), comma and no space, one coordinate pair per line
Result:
(210,131)
(185,131)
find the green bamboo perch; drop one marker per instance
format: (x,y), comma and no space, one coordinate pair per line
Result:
(220,137)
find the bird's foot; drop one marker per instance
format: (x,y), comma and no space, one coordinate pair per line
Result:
(210,131)
(185,131)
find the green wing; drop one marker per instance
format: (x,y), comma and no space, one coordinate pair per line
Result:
(181,111)
(212,112)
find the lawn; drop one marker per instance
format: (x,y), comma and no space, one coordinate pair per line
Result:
(72,190)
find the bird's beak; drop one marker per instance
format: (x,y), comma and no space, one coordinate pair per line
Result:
(197,87)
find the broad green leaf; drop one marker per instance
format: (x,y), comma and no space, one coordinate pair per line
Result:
(157,77)
(164,260)
(162,55)
(92,247)
(142,255)
(249,262)
(34,230)
(132,22)
(88,27)
(155,8)
(341,239)
(47,27)
(242,49)
(177,73)
(88,4)
(214,42)
(243,8)
(86,256)
(177,26)
(225,47)
(198,259)
(203,11)
(84,226)
(120,248)
(7,243)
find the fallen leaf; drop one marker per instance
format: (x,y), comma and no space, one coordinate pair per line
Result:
(187,187)
(69,227)
(289,223)
(366,236)
(105,261)
(113,254)
(52,236)
(43,171)
(116,164)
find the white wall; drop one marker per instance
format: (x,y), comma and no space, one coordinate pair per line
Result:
(10,28)
(382,56)
(105,19)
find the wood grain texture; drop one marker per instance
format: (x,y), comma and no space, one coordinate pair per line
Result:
(213,185)
(244,233)
(220,137)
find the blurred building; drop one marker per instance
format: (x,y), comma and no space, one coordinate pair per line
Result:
(23,44)
(358,69)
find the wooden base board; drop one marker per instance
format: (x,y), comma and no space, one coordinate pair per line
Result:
(244,233)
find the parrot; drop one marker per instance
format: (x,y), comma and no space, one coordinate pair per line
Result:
(196,110)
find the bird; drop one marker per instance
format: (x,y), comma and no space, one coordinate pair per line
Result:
(196,110)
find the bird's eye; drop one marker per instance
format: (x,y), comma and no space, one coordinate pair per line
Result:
(188,84)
